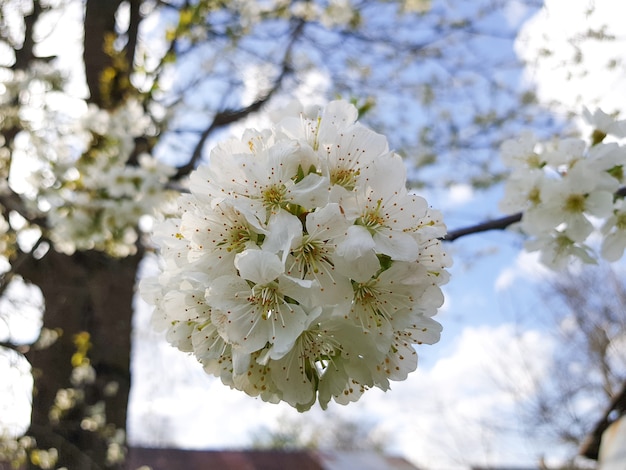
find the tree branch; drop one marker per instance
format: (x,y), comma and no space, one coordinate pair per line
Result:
(25,55)
(591,446)
(498,224)
(226,117)
(18,348)
(16,262)
(11,201)
(221,119)
(495,224)
(133,31)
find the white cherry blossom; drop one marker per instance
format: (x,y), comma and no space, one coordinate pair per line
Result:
(263,313)
(605,123)
(299,268)
(557,250)
(566,188)
(614,231)
(98,196)
(569,200)
(521,152)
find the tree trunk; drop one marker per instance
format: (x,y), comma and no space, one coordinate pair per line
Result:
(86,292)
(99,27)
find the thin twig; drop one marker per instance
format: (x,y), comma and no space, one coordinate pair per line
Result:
(495,224)
(226,117)
(18,348)
(498,224)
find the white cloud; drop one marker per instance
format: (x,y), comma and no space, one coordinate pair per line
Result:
(526,267)
(571,71)
(462,410)
(505,279)
(452,197)
(459,194)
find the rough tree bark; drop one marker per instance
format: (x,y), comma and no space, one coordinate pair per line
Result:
(85,292)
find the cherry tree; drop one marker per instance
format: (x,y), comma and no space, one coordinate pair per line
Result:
(298,266)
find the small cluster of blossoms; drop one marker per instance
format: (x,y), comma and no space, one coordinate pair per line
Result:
(335,13)
(80,177)
(301,269)
(22,101)
(332,13)
(96,201)
(568,188)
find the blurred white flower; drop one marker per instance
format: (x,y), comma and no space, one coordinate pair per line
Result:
(564,187)
(605,123)
(614,231)
(569,200)
(100,196)
(521,152)
(557,250)
(338,13)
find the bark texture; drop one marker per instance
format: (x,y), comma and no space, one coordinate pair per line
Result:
(103,74)
(86,292)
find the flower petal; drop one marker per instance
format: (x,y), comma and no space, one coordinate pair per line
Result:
(258,266)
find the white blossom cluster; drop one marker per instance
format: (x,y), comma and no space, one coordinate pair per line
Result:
(23,105)
(96,201)
(335,13)
(79,178)
(301,268)
(569,189)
